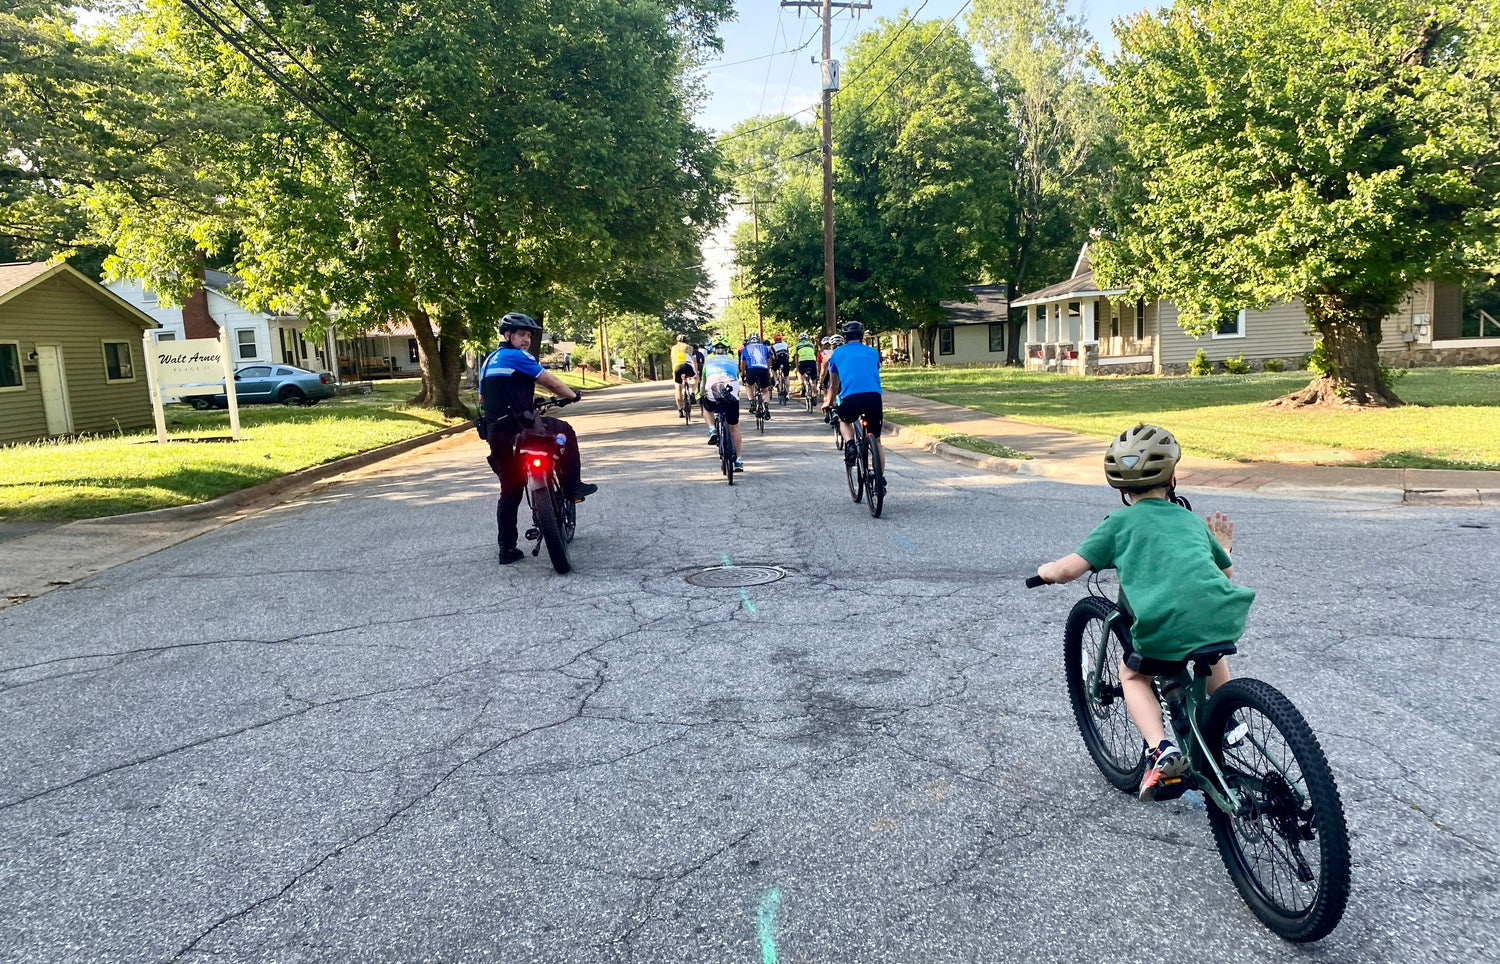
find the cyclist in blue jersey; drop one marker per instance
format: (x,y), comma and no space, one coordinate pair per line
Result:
(721,388)
(507,383)
(854,383)
(755,358)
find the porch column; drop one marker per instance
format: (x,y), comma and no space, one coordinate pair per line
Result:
(1087,333)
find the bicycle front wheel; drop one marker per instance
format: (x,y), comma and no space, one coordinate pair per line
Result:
(1098,701)
(1287,850)
(872,465)
(546,507)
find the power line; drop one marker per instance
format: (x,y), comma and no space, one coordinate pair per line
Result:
(918,56)
(889,43)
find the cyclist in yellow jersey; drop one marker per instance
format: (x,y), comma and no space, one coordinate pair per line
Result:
(807,364)
(683,370)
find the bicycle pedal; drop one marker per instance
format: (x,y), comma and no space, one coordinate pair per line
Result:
(1171,788)
(532,535)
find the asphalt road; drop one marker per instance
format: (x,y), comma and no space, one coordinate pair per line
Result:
(337,731)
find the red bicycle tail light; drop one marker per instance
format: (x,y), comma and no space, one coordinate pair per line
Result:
(537,463)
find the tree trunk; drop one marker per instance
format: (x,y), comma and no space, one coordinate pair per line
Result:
(929,347)
(1013,346)
(440,354)
(1348,354)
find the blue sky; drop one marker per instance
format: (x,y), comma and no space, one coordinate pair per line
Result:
(748,82)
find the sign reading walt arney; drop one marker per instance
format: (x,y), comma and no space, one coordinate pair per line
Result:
(192,367)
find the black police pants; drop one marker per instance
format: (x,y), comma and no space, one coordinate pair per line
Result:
(512,473)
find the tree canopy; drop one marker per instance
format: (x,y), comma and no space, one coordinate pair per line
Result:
(922,187)
(1331,152)
(439,163)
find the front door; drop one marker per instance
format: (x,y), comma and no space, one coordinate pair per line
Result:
(54,390)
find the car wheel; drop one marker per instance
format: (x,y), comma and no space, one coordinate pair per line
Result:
(201,403)
(291,396)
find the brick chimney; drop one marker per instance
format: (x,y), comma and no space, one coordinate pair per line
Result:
(195,320)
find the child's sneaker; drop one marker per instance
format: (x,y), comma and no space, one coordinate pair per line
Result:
(1163,762)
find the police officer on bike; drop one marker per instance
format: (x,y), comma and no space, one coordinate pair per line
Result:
(507,383)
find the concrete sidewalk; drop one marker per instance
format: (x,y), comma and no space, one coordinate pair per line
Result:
(1058,454)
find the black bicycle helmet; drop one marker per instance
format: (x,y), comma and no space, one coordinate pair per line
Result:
(515,321)
(853,331)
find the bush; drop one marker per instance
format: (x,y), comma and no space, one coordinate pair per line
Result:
(1200,365)
(1275,365)
(1237,365)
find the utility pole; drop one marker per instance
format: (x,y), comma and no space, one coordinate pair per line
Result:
(755,222)
(830,86)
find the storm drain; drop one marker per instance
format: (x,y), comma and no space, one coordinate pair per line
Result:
(735,577)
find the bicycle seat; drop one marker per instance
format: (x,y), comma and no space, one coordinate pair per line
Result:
(1205,656)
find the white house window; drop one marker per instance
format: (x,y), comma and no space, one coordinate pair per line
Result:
(945,341)
(149,297)
(411,350)
(1140,320)
(10,367)
(1114,319)
(245,339)
(166,336)
(117,366)
(997,337)
(1232,326)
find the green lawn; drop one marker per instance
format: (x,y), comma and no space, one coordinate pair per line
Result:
(117,474)
(1453,420)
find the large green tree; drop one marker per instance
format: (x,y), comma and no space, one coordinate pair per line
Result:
(436,164)
(922,188)
(1039,57)
(1333,151)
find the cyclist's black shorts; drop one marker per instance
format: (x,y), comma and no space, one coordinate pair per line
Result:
(731,408)
(1150,665)
(807,369)
(868,404)
(758,377)
(780,362)
(682,371)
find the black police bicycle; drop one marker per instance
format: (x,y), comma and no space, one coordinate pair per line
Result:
(1273,806)
(554,517)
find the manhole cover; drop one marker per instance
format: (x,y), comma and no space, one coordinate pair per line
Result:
(735,577)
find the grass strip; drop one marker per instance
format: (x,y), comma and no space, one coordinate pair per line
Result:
(943,433)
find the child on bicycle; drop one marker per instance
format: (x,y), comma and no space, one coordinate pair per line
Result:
(1174,571)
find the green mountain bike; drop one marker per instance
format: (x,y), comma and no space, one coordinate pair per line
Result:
(1273,806)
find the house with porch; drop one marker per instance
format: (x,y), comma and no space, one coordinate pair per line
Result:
(1078,327)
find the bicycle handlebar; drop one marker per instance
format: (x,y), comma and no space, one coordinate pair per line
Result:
(1033,581)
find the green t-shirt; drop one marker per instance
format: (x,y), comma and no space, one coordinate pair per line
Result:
(1171,571)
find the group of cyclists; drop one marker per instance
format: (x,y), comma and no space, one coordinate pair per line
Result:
(842,368)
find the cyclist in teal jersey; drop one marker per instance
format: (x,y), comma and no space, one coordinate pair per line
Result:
(721,387)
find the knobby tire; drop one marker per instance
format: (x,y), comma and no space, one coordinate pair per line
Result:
(1297,901)
(1107,729)
(545,507)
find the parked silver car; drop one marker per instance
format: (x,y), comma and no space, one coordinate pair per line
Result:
(258,384)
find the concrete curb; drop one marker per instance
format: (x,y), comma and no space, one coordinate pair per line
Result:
(271,487)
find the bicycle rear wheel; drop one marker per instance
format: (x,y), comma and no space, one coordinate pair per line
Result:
(546,508)
(855,475)
(1098,701)
(1288,850)
(872,465)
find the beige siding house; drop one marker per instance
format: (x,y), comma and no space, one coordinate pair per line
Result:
(1075,326)
(70,355)
(974,333)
